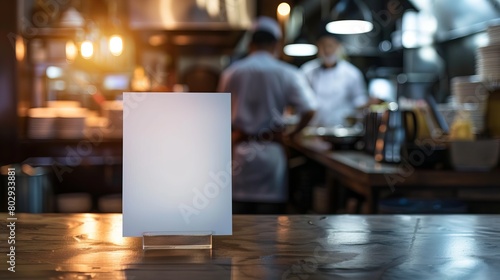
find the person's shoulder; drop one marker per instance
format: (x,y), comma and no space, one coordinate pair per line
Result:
(310,65)
(350,68)
(238,63)
(238,66)
(286,67)
(348,65)
(283,64)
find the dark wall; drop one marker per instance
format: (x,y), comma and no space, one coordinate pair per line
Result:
(460,56)
(8,83)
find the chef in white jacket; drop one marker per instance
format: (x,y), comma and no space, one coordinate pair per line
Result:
(339,86)
(261,88)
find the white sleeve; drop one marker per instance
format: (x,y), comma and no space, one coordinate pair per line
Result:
(300,94)
(359,94)
(308,70)
(224,78)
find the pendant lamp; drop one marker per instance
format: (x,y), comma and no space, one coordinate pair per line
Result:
(350,17)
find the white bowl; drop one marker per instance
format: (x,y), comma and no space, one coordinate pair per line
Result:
(479,155)
(111,203)
(74,203)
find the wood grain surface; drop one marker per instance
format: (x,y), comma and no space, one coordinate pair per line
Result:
(91,246)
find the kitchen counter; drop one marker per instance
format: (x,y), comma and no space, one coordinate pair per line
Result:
(91,246)
(360,172)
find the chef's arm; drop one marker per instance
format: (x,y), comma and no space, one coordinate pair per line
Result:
(371,101)
(305,118)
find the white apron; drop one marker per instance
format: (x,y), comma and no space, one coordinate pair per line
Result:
(260,172)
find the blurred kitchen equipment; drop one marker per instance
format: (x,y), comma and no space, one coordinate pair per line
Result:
(341,138)
(71,122)
(372,122)
(493,113)
(470,94)
(431,123)
(426,148)
(488,62)
(462,127)
(41,123)
(201,78)
(110,203)
(63,104)
(478,155)
(112,111)
(33,189)
(435,114)
(494,34)
(74,203)
(395,128)
(488,68)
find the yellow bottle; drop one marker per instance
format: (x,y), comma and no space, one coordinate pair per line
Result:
(462,127)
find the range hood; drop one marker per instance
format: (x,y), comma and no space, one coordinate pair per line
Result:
(191,14)
(457,19)
(216,24)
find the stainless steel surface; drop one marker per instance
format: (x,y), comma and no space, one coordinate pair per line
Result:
(191,26)
(32,186)
(392,134)
(461,18)
(339,137)
(191,14)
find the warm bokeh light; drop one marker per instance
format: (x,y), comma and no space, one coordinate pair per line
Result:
(20,48)
(87,49)
(284,9)
(71,50)
(116,45)
(157,40)
(54,72)
(213,8)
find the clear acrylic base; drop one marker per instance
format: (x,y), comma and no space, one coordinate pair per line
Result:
(165,240)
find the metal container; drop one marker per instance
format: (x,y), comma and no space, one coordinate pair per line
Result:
(33,189)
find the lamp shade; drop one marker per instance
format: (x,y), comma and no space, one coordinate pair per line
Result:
(350,17)
(300,47)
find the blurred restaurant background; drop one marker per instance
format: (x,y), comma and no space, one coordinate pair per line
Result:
(64,65)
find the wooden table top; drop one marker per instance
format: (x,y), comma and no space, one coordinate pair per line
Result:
(91,246)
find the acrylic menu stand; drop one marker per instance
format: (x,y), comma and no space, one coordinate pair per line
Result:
(163,240)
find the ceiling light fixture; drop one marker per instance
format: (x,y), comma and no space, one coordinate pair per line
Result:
(301,46)
(350,17)
(115,43)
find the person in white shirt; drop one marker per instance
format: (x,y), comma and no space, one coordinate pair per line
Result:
(261,88)
(339,86)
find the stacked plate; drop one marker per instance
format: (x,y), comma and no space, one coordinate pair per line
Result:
(71,123)
(469,89)
(113,112)
(448,111)
(477,116)
(63,104)
(488,63)
(469,94)
(95,126)
(494,34)
(41,123)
